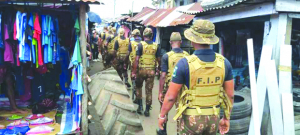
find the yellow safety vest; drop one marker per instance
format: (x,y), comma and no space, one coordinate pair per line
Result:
(111,44)
(132,56)
(205,91)
(173,58)
(148,58)
(123,46)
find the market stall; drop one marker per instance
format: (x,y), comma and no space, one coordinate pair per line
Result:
(42,46)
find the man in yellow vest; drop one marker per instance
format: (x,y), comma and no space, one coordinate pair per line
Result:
(132,46)
(168,63)
(121,49)
(103,37)
(147,54)
(208,85)
(109,47)
(136,35)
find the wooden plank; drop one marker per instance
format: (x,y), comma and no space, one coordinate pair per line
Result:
(287,6)
(274,99)
(285,74)
(240,13)
(82,17)
(261,84)
(282,23)
(255,113)
(288,113)
(294,15)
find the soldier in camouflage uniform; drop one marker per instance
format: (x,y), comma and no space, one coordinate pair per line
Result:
(168,62)
(121,49)
(103,37)
(109,47)
(207,82)
(148,53)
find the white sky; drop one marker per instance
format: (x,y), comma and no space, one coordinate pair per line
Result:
(122,6)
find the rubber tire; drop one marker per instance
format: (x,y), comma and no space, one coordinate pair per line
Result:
(242,106)
(239,126)
(246,133)
(113,104)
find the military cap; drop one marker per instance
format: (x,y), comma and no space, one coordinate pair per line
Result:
(148,32)
(136,32)
(175,36)
(121,31)
(202,32)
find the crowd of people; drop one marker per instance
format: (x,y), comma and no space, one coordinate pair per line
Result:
(198,84)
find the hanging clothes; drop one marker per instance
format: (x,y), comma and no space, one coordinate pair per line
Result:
(29,37)
(50,44)
(57,44)
(45,38)
(8,53)
(37,37)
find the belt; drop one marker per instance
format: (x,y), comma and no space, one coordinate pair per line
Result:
(207,111)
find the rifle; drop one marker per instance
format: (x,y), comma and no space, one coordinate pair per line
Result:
(133,90)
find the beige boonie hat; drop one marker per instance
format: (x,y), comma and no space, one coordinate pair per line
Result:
(202,32)
(136,32)
(121,31)
(113,29)
(148,32)
(175,36)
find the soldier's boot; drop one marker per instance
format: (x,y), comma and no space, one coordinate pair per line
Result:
(136,101)
(147,111)
(140,108)
(127,83)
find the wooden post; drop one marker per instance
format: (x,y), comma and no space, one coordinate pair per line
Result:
(82,17)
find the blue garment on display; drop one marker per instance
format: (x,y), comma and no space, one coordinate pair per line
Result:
(1,40)
(50,45)
(154,34)
(30,23)
(64,78)
(45,37)
(57,40)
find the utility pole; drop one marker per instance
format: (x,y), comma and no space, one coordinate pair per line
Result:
(114,9)
(132,15)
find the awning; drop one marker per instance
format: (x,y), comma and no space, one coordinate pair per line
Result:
(143,15)
(208,5)
(177,18)
(171,16)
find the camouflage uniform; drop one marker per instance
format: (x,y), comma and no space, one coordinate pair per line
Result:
(149,54)
(121,48)
(203,95)
(169,60)
(110,49)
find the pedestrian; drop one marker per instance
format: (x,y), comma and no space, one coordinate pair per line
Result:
(147,54)
(95,46)
(121,49)
(208,85)
(168,62)
(109,47)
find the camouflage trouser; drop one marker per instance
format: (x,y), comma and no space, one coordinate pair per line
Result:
(108,60)
(119,66)
(146,75)
(198,125)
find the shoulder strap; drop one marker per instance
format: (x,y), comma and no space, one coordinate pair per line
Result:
(193,62)
(220,59)
(185,53)
(170,53)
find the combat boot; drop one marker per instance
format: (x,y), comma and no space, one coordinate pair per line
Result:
(127,83)
(140,108)
(147,113)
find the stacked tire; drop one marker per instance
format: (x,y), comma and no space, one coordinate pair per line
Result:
(240,114)
(296,98)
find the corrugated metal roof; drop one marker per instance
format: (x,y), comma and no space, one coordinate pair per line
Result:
(177,18)
(209,6)
(143,15)
(52,1)
(160,14)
